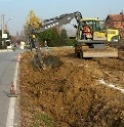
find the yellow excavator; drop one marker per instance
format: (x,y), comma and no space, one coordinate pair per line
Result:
(97,45)
(99,42)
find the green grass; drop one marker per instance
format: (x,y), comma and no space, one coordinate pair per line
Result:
(42,119)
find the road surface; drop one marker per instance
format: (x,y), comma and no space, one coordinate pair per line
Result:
(8,61)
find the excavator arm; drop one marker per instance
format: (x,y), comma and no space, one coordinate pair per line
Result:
(48,24)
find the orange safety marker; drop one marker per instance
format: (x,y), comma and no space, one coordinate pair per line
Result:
(12,91)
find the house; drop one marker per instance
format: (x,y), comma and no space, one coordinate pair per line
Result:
(116,21)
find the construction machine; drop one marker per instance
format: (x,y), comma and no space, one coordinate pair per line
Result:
(99,42)
(96,45)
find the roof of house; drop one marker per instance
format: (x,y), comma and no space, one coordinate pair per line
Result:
(115,17)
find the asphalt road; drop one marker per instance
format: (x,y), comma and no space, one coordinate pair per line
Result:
(7,69)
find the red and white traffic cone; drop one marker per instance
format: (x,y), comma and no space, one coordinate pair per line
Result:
(18,57)
(12,91)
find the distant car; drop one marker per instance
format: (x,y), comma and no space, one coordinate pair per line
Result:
(11,46)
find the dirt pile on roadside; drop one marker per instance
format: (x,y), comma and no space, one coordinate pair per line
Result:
(67,94)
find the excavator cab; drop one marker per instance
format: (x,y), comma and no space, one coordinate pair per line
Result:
(96,29)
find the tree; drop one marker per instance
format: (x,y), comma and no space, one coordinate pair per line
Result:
(33,21)
(51,36)
(63,36)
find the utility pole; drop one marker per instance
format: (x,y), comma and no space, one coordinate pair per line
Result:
(2,27)
(2,22)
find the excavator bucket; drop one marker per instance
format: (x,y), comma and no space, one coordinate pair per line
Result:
(38,62)
(37,56)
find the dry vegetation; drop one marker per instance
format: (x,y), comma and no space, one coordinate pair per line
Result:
(68,94)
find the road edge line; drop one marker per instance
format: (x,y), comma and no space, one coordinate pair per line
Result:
(11,109)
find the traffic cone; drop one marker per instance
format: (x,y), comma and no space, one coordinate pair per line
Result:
(18,57)
(12,91)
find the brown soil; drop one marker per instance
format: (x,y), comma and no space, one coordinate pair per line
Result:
(68,93)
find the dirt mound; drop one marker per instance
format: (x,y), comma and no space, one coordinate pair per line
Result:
(67,93)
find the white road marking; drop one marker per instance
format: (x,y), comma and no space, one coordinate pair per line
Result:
(111,85)
(11,110)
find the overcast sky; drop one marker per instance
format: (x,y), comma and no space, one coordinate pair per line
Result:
(19,9)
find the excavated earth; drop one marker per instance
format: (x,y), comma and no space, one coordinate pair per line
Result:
(69,92)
